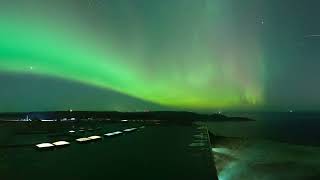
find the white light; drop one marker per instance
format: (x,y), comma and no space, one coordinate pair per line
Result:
(94,137)
(113,133)
(124,120)
(72,131)
(44,145)
(15,120)
(117,132)
(61,143)
(83,139)
(31,67)
(109,134)
(47,120)
(128,130)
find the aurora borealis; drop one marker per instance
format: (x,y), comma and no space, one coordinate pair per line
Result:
(206,54)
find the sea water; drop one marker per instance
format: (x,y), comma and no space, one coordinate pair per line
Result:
(279,146)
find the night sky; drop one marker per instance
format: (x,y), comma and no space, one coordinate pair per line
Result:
(127,55)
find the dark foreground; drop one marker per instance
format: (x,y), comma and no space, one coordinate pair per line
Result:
(154,152)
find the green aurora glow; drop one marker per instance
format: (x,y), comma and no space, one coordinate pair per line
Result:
(195,60)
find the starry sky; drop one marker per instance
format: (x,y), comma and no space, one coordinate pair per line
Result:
(128,55)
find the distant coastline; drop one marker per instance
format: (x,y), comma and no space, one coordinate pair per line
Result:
(168,116)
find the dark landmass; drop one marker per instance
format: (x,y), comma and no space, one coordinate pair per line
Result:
(236,119)
(168,116)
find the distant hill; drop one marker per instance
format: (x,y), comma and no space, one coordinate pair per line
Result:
(170,116)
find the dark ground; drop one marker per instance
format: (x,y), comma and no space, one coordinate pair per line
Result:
(154,152)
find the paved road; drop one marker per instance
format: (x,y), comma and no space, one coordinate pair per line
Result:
(155,152)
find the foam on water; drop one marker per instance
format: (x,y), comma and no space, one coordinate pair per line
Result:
(278,146)
(268,160)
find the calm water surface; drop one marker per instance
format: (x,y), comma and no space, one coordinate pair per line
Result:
(296,128)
